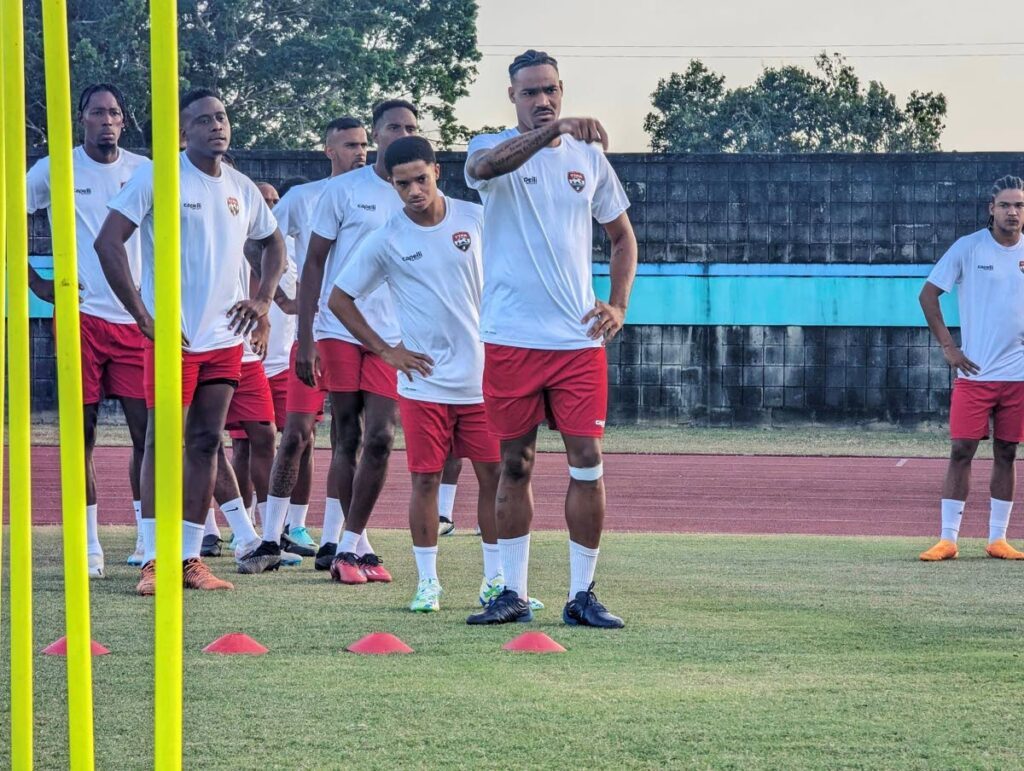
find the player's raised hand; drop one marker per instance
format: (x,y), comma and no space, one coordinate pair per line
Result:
(607,320)
(307,364)
(584,129)
(955,358)
(407,362)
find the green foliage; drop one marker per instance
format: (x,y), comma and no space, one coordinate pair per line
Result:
(790,110)
(283,67)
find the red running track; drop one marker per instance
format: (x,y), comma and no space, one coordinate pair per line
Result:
(653,493)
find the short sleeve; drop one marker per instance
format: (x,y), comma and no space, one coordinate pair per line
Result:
(365,270)
(286,212)
(476,144)
(949,269)
(261,220)
(135,199)
(329,213)
(37,184)
(609,199)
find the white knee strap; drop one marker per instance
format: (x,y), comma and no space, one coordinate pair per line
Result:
(591,474)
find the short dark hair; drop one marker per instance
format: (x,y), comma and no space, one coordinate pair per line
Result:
(99,88)
(531,58)
(407,150)
(190,97)
(342,124)
(390,104)
(289,183)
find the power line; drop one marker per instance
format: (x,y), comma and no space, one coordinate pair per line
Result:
(1007,54)
(979,44)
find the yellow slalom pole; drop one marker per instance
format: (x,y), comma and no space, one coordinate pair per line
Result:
(69,384)
(3,302)
(19,401)
(167,261)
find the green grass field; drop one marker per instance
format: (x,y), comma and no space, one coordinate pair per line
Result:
(811,440)
(739,652)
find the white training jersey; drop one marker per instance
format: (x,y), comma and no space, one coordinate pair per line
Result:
(989,279)
(217,215)
(353,206)
(538,282)
(95,184)
(294,215)
(282,325)
(436,277)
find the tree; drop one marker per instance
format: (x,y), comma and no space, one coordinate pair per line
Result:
(790,110)
(283,67)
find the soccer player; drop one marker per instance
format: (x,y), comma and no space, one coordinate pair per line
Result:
(329,357)
(544,332)
(987,268)
(220,209)
(345,145)
(428,253)
(111,342)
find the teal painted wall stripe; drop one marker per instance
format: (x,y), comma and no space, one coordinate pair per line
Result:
(840,301)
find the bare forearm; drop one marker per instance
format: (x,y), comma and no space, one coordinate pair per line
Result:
(512,153)
(622,269)
(114,262)
(933,315)
(309,296)
(344,307)
(272,267)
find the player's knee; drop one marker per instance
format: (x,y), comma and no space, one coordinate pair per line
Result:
(962,450)
(1004,452)
(202,441)
(424,484)
(377,444)
(586,473)
(517,467)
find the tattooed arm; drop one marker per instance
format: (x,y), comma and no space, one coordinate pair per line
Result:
(514,152)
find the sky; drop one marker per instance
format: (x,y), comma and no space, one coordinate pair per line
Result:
(611,55)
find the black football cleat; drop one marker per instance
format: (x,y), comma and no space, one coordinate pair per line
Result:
(325,556)
(507,607)
(586,610)
(211,546)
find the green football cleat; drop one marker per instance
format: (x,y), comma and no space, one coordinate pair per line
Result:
(428,591)
(489,590)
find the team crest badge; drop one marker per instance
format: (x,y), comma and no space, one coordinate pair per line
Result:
(462,240)
(576,180)
(233,206)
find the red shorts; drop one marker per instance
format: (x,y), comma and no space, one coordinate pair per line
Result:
(435,431)
(300,397)
(223,365)
(346,368)
(279,393)
(252,401)
(523,386)
(973,401)
(112,359)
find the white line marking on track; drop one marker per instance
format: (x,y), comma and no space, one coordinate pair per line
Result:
(901,462)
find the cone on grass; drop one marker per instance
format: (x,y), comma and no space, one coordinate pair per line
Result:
(60,648)
(235,643)
(533,642)
(379,643)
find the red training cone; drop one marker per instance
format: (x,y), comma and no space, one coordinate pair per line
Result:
(235,643)
(379,643)
(60,648)
(533,642)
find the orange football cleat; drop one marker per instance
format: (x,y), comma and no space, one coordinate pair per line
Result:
(1003,551)
(196,575)
(147,582)
(943,550)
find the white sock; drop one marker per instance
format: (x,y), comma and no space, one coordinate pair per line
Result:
(273,518)
(334,519)
(998,519)
(952,513)
(137,505)
(492,560)
(254,509)
(297,515)
(515,561)
(261,514)
(238,519)
(211,524)
(446,501)
(191,540)
(347,542)
(92,530)
(363,547)
(426,561)
(582,562)
(148,529)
